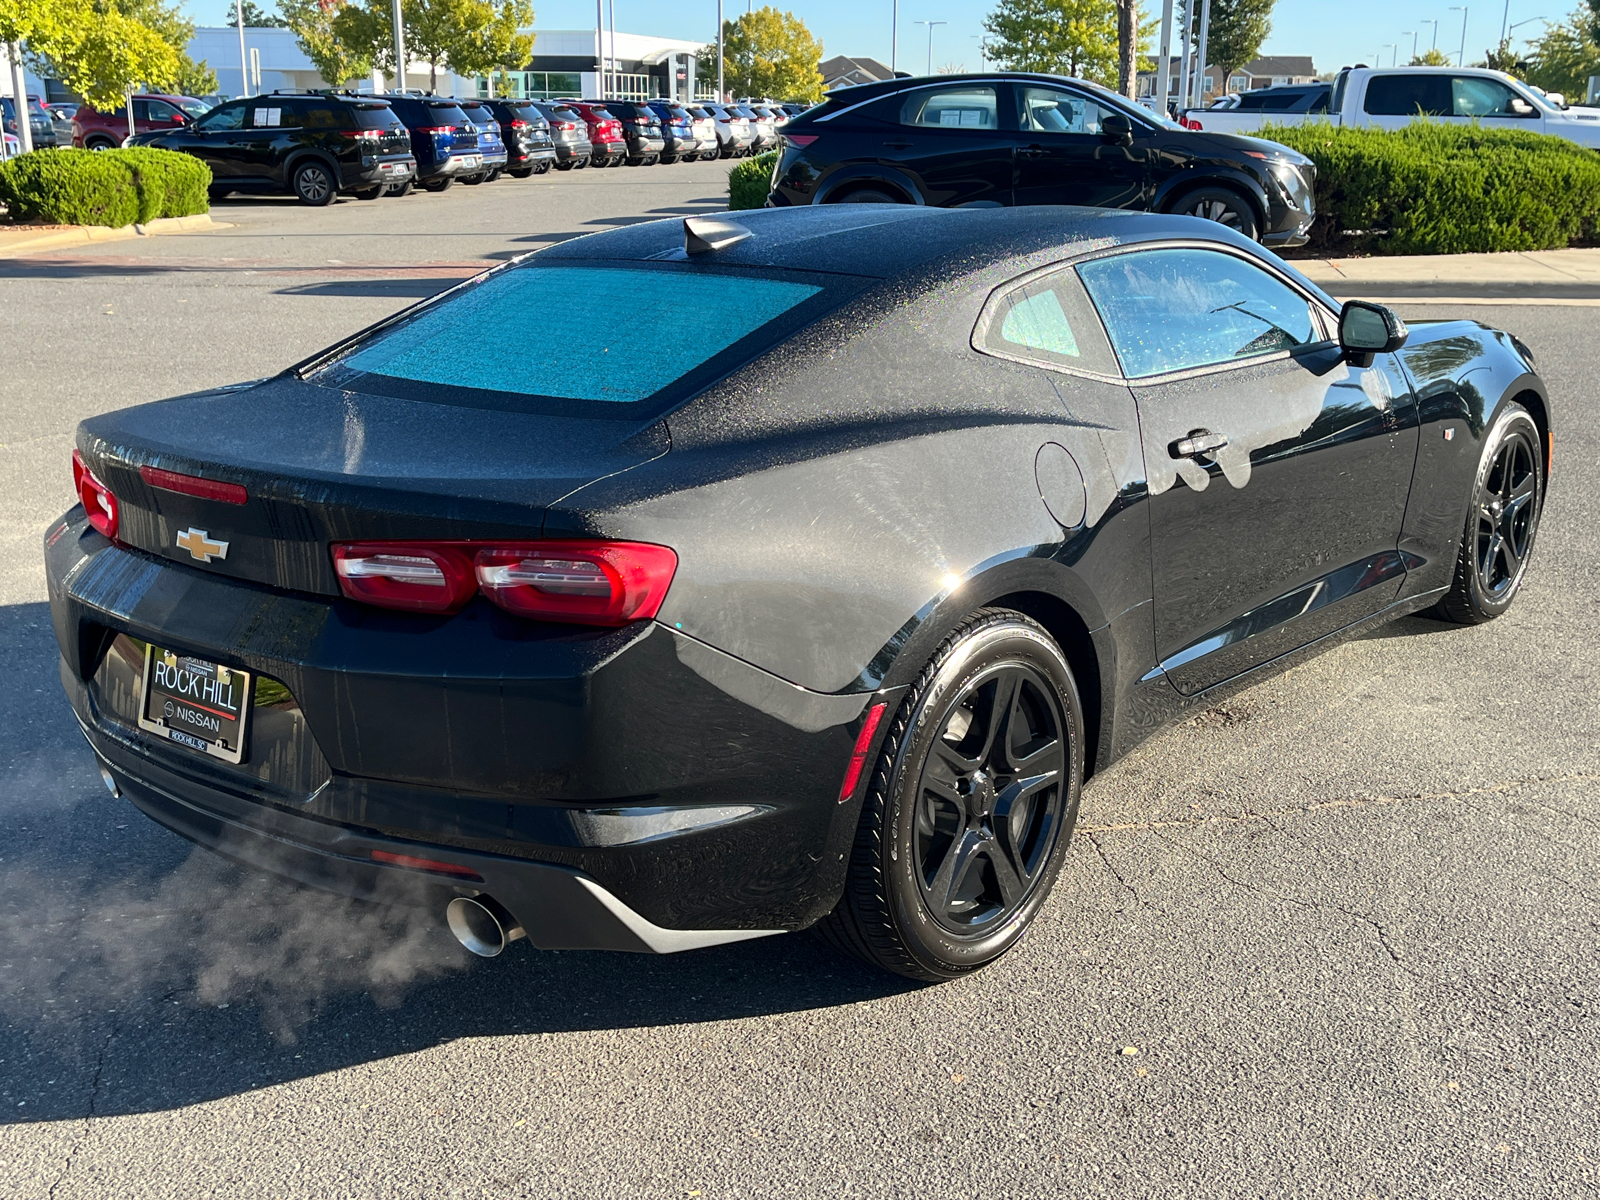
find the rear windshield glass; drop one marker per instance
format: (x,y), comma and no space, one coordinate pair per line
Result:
(374,116)
(471,348)
(565,114)
(446,113)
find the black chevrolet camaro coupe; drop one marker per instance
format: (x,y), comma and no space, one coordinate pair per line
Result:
(822,617)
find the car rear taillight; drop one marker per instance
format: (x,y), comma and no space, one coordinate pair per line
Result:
(436,130)
(801,139)
(566,126)
(362,135)
(193,485)
(591,583)
(402,575)
(96,497)
(518,123)
(583,582)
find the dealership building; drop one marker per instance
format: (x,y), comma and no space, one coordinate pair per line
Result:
(566,62)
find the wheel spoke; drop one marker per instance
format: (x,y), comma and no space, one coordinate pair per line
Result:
(998,725)
(1006,875)
(952,872)
(1513,560)
(1044,757)
(1523,491)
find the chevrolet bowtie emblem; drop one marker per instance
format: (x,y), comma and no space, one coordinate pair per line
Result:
(200,546)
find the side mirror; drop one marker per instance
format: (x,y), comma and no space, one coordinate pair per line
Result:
(1367,329)
(1116,129)
(1520,107)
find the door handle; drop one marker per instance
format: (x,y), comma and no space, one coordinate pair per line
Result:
(1034,151)
(1199,444)
(898,145)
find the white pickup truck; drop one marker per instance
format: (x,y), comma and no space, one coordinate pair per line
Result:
(1389,97)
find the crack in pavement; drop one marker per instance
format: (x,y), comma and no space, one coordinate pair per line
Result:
(1267,815)
(1110,866)
(94,1097)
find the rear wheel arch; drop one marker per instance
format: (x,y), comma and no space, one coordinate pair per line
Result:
(294,161)
(844,191)
(1062,622)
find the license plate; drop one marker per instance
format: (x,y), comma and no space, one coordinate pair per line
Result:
(472,160)
(200,705)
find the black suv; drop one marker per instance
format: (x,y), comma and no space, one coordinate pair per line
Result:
(526,132)
(1009,138)
(641,125)
(314,144)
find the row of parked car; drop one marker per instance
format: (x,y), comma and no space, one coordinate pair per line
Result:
(319,144)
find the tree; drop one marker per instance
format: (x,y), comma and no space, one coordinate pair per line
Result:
(771,53)
(1564,56)
(254,16)
(1128,47)
(1056,37)
(1238,27)
(312,22)
(1431,58)
(472,37)
(102,55)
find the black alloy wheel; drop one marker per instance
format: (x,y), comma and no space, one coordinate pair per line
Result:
(869,196)
(371,193)
(314,184)
(439,185)
(1222,205)
(472,180)
(1502,520)
(542,168)
(970,807)
(492,175)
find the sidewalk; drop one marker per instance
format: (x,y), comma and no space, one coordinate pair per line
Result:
(1550,277)
(24,239)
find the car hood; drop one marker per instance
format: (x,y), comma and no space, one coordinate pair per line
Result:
(1243,144)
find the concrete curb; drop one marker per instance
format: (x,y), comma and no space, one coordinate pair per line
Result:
(25,241)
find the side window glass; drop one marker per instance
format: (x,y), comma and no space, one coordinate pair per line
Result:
(1408,95)
(1046,110)
(1320,104)
(1171,310)
(1472,97)
(272,114)
(228,116)
(1049,321)
(951,108)
(141,110)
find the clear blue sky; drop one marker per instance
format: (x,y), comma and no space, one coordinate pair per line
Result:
(1334,32)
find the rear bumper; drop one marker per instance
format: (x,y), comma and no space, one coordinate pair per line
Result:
(692,789)
(606,151)
(570,151)
(561,908)
(395,170)
(531,157)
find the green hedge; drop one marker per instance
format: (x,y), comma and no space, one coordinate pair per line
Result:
(750,180)
(103,187)
(1429,188)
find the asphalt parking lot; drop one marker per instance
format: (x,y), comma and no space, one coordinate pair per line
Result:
(1336,937)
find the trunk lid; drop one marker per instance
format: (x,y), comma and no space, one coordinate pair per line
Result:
(321,465)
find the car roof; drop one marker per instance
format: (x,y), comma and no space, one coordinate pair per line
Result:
(860,240)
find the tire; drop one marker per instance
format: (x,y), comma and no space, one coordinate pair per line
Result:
(371,193)
(403,189)
(566,166)
(99,144)
(667,160)
(1502,521)
(521,172)
(473,180)
(1224,206)
(635,160)
(439,185)
(869,196)
(543,168)
(314,183)
(941,882)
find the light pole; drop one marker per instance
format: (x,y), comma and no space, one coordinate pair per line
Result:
(930,25)
(1393,57)
(1435,25)
(894,37)
(721,95)
(1412,34)
(1462,55)
(983,51)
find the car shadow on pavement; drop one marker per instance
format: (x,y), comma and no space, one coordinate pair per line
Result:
(418,288)
(140,974)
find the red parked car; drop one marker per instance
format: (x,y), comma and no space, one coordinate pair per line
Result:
(605,133)
(152,113)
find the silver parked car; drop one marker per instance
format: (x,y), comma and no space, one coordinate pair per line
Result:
(705,132)
(735,130)
(762,125)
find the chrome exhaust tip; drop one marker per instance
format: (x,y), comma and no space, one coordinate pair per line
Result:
(482,925)
(111,784)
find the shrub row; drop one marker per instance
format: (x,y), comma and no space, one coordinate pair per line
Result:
(750,179)
(103,187)
(1429,188)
